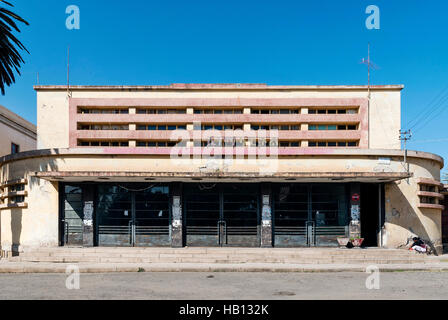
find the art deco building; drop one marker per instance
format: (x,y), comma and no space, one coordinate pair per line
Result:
(219,165)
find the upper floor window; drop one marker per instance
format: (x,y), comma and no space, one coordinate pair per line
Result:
(103,127)
(221,127)
(275,127)
(428,188)
(103,111)
(161,111)
(218,111)
(275,111)
(332,143)
(161,127)
(15,148)
(333,111)
(332,127)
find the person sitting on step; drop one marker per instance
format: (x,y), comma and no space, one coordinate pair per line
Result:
(418,245)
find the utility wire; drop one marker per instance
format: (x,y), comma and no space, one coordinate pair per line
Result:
(440,111)
(415,120)
(425,117)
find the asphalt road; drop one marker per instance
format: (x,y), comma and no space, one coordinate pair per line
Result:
(338,285)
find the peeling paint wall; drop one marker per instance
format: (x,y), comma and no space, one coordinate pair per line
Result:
(403,217)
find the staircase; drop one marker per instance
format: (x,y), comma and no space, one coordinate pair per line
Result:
(302,256)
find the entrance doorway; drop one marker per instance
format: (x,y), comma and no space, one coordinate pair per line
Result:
(222,215)
(71,217)
(133,215)
(370,212)
(309,214)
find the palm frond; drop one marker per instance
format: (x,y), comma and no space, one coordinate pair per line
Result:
(10,58)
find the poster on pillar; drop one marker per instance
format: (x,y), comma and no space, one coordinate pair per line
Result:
(88,213)
(266,211)
(355,214)
(177,212)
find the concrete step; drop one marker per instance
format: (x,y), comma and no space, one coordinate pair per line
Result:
(221,255)
(23,267)
(174,259)
(257,251)
(207,249)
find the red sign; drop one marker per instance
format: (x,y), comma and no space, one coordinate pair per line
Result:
(355,197)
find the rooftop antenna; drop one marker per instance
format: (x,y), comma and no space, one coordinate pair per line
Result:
(38,79)
(369,64)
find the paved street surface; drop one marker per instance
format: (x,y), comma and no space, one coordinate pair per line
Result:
(197,286)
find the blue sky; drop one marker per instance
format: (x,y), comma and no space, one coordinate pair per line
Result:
(276,42)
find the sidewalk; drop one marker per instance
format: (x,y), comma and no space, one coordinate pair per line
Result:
(42,267)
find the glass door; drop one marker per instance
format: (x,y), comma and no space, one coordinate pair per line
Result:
(202,207)
(291,207)
(309,214)
(115,216)
(239,215)
(329,214)
(222,215)
(152,217)
(73,213)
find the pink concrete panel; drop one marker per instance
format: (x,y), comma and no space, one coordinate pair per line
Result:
(218,102)
(361,117)
(218,118)
(199,151)
(341,135)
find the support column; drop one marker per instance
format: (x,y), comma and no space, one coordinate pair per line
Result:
(355,211)
(88,211)
(266,216)
(176,220)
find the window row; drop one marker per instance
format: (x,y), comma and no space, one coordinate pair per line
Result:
(161,111)
(244,142)
(213,111)
(222,127)
(332,127)
(332,111)
(332,144)
(275,127)
(428,188)
(218,111)
(155,144)
(17,199)
(16,188)
(103,143)
(429,200)
(103,111)
(103,127)
(161,127)
(275,111)
(218,143)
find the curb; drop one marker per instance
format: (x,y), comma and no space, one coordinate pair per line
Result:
(20,268)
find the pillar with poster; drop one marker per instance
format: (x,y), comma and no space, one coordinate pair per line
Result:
(355,214)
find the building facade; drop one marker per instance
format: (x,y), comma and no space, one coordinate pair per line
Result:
(246,165)
(16,133)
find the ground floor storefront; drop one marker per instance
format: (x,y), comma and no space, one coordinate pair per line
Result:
(98,198)
(219,214)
